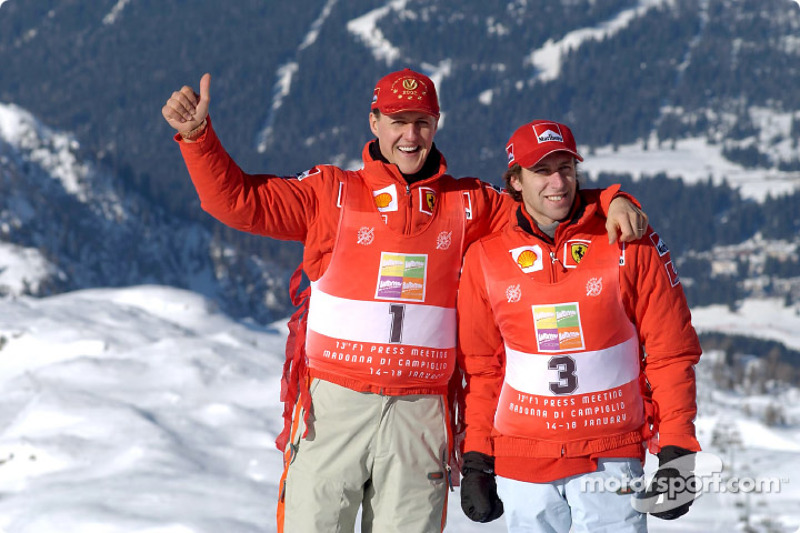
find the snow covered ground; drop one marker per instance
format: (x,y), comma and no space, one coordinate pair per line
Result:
(693,160)
(145,410)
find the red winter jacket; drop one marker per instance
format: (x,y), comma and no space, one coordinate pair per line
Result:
(652,299)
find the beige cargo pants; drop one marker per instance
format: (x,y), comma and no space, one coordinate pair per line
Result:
(384,454)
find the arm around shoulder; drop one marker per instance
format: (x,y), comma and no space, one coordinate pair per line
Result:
(625,220)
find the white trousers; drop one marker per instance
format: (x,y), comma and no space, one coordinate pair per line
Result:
(596,502)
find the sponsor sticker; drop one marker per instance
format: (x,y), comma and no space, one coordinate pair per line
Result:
(659,243)
(528,258)
(310,172)
(548,132)
(558,327)
(427,200)
(672,272)
(402,277)
(386,198)
(510,152)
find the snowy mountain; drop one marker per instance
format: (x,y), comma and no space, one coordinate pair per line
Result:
(692,90)
(66,222)
(293,80)
(145,410)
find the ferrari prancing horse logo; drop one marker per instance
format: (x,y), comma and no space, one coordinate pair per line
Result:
(574,251)
(577,250)
(430,199)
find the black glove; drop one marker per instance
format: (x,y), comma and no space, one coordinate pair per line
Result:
(674,484)
(479,499)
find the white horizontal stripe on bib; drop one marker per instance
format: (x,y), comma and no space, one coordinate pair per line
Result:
(364,321)
(596,371)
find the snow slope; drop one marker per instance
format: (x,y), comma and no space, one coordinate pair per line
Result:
(145,410)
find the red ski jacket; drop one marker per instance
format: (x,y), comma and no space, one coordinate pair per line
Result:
(649,295)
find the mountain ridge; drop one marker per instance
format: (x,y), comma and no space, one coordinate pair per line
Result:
(292,82)
(67,218)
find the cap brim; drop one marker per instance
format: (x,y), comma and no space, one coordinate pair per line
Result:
(531,160)
(394,111)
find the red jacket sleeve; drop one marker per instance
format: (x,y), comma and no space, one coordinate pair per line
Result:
(654,297)
(609,194)
(480,355)
(489,210)
(256,203)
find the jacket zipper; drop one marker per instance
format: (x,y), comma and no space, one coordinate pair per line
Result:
(409,209)
(553,272)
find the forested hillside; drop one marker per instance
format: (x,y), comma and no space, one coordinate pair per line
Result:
(292,83)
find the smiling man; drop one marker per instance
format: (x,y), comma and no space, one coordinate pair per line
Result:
(405,138)
(368,365)
(576,352)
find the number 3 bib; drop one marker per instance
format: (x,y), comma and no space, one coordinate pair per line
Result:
(572,354)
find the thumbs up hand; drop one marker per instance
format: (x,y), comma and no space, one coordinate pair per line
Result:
(186,111)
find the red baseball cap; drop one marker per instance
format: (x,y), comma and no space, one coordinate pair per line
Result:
(405,90)
(538,139)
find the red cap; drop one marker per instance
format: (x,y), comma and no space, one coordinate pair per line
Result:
(538,139)
(405,90)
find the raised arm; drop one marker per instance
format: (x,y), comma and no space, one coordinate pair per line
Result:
(264,204)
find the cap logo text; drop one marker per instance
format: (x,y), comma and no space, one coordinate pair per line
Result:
(548,133)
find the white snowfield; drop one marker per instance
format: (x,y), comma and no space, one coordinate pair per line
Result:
(145,410)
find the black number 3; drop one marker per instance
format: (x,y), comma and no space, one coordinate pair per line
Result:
(567,380)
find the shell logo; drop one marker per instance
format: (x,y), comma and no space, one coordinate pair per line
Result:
(383,200)
(526,259)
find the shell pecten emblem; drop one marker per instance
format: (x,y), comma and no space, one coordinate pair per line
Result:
(527,259)
(383,200)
